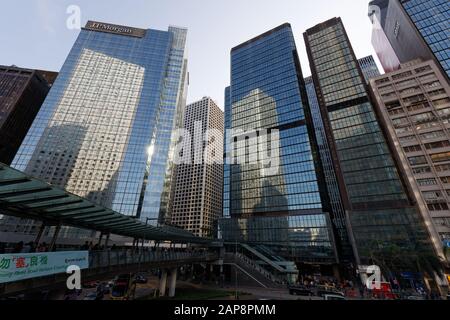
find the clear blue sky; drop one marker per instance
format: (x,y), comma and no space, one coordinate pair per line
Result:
(33,33)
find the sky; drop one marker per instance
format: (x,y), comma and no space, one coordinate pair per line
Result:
(33,33)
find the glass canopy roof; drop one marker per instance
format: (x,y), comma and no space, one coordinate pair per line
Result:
(26,197)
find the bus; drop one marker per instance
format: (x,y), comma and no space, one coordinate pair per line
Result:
(124,287)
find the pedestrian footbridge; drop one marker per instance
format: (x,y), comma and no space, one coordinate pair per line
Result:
(99,265)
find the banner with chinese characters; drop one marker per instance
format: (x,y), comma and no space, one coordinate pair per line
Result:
(16,267)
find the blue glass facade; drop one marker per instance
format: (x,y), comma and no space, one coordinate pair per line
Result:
(369,68)
(267,93)
(105,129)
(431,18)
(227,154)
(304,238)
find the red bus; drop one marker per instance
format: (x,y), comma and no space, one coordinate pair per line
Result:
(385,292)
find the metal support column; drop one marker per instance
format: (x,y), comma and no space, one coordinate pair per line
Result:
(107,240)
(55,238)
(100,239)
(40,234)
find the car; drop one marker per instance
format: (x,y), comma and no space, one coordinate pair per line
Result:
(334,297)
(415,297)
(104,287)
(322,292)
(91,285)
(300,291)
(141,279)
(94,296)
(72,294)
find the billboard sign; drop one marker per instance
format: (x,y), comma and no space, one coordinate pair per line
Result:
(17,267)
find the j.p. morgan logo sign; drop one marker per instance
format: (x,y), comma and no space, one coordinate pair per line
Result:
(116,29)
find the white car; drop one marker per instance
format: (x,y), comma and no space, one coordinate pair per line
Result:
(416,297)
(334,297)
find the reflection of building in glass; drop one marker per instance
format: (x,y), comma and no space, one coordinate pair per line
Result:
(414,104)
(22,92)
(80,145)
(339,215)
(256,192)
(119,96)
(305,238)
(381,215)
(227,155)
(369,68)
(267,93)
(405,30)
(58,154)
(197,198)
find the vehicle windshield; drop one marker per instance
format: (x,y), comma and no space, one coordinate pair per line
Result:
(118,291)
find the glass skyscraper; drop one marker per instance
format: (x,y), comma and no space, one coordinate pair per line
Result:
(369,68)
(406,30)
(105,129)
(431,18)
(381,215)
(287,209)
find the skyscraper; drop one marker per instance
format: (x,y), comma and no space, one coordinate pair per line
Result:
(22,92)
(405,30)
(197,199)
(414,105)
(105,129)
(381,213)
(339,214)
(369,68)
(282,205)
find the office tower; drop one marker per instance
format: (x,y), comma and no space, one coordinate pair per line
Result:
(22,92)
(105,129)
(414,105)
(282,206)
(197,199)
(339,215)
(227,154)
(369,68)
(404,30)
(380,212)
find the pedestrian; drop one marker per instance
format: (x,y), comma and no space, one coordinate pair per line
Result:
(43,247)
(34,246)
(18,247)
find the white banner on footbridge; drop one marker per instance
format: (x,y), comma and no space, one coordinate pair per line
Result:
(16,267)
